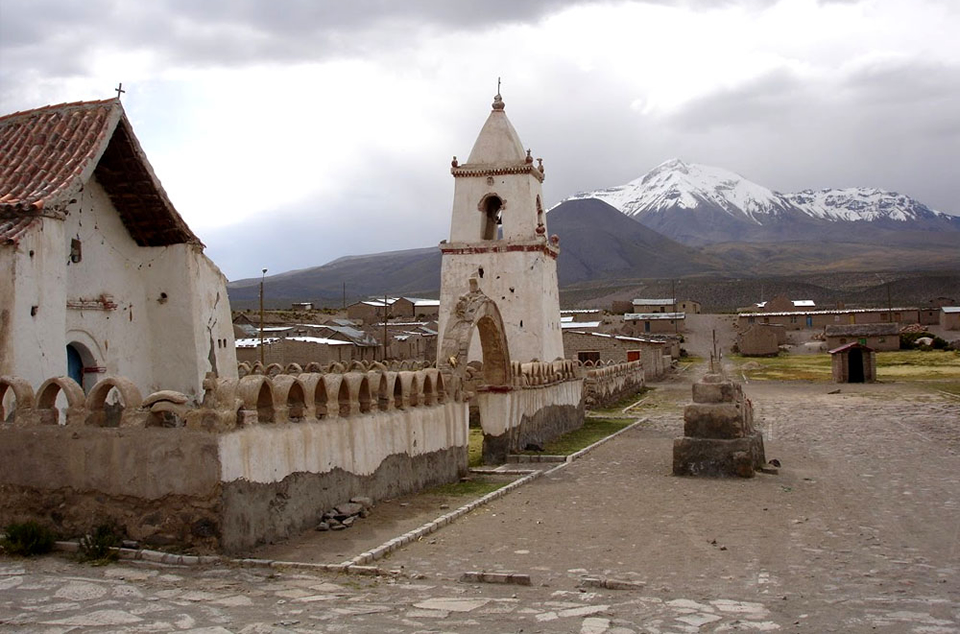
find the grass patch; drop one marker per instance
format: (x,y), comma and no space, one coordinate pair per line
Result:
(474,487)
(475,448)
(919,365)
(616,409)
(27,539)
(593,429)
(689,359)
(799,367)
(901,365)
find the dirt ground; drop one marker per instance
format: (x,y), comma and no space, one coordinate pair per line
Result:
(859,532)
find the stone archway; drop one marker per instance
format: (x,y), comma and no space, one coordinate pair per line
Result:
(476,310)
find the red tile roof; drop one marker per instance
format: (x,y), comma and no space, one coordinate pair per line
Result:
(48,154)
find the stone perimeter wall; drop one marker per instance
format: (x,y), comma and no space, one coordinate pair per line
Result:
(604,385)
(261,454)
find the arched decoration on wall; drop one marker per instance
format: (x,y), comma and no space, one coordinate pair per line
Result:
(343,399)
(383,392)
(428,398)
(398,392)
(491,206)
(363,395)
(47,400)
(296,403)
(320,399)
(103,414)
(22,396)
(476,310)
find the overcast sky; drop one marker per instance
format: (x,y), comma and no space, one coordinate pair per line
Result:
(293,132)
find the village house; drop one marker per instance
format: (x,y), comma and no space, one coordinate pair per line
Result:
(761,340)
(688,306)
(654,306)
(875,336)
(817,319)
(950,317)
(372,310)
(582,314)
(654,353)
(102,275)
(662,323)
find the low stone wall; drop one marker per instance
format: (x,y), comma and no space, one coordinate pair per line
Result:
(604,385)
(235,470)
(513,419)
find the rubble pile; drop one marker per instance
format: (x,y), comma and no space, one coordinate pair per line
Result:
(345,515)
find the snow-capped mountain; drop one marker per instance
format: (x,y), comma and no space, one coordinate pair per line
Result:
(700,204)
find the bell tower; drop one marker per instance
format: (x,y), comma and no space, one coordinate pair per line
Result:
(498,236)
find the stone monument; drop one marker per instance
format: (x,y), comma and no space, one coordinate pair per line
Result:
(718,434)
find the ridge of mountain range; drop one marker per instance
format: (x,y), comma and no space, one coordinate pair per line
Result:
(679,220)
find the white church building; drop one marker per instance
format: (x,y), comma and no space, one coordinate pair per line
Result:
(99,274)
(498,238)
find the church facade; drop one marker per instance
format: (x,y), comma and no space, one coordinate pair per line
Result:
(101,275)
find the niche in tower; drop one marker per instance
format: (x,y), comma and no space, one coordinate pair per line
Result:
(492,208)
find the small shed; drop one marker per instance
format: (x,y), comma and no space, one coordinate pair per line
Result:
(854,363)
(761,340)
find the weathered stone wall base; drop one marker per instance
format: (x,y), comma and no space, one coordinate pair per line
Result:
(718,457)
(256,513)
(172,520)
(540,428)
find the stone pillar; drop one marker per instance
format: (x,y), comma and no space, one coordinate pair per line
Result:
(718,434)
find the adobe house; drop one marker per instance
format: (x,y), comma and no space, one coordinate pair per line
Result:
(688,306)
(854,363)
(761,340)
(950,317)
(101,275)
(655,354)
(876,336)
(654,305)
(655,322)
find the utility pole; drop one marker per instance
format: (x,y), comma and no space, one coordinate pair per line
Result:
(263,275)
(673,292)
(384,328)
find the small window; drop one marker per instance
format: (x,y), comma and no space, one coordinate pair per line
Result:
(843,340)
(76,251)
(588,355)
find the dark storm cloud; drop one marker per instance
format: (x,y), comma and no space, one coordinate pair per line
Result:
(891,125)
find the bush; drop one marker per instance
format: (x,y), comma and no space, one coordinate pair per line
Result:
(98,546)
(908,341)
(27,539)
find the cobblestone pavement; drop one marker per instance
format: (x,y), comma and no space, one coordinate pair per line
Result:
(860,532)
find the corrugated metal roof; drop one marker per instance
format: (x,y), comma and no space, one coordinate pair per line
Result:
(835,311)
(579,324)
(652,316)
(950,309)
(848,346)
(654,302)
(619,337)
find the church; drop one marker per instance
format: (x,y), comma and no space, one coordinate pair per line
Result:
(100,274)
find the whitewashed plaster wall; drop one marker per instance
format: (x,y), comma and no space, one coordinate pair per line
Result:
(31,345)
(357,444)
(156,342)
(503,411)
(523,284)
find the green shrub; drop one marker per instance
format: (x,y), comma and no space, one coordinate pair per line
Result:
(98,546)
(908,341)
(27,539)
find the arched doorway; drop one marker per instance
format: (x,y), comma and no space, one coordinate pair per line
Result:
(78,358)
(476,313)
